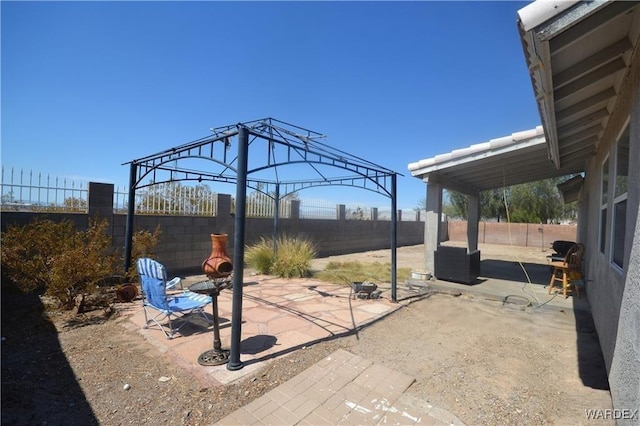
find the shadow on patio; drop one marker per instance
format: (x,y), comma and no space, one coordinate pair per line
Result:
(279,316)
(513,271)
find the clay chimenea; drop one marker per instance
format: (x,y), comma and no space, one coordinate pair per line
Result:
(217,267)
(218,264)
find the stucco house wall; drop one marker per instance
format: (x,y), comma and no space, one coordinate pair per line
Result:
(605,282)
(584,84)
(614,293)
(624,374)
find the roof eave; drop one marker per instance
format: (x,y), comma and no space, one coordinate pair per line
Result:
(537,56)
(500,146)
(541,11)
(538,22)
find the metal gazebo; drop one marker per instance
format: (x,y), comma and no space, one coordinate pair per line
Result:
(276,146)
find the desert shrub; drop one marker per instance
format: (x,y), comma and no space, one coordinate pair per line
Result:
(66,263)
(143,244)
(260,256)
(292,259)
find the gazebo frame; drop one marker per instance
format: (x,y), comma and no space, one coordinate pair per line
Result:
(286,145)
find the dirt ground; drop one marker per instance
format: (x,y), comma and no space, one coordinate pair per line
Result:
(484,362)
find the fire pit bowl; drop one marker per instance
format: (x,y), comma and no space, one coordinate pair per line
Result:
(365,290)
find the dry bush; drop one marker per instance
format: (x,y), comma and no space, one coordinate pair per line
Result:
(143,245)
(66,263)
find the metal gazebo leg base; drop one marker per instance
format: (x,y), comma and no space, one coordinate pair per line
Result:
(214,357)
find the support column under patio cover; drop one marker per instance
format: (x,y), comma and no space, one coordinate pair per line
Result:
(473,222)
(432,223)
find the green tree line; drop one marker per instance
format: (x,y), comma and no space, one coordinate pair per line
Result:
(533,202)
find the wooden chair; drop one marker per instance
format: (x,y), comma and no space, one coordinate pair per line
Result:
(568,270)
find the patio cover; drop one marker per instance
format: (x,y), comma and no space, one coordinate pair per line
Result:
(518,158)
(579,56)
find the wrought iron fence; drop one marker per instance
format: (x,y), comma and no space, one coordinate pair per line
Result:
(259,204)
(317,209)
(169,199)
(29,191)
(404,215)
(37,192)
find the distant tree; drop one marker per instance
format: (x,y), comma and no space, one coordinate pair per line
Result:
(176,198)
(458,203)
(358,213)
(75,204)
(492,204)
(534,202)
(261,203)
(201,200)
(447,208)
(8,198)
(9,202)
(569,211)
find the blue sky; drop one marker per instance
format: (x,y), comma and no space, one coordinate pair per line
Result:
(87,86)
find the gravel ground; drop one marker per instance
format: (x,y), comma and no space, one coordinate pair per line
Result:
(483,362)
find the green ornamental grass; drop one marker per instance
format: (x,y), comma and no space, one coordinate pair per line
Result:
(291,260)
(260,256)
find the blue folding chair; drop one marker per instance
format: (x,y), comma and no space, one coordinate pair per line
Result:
(159,306)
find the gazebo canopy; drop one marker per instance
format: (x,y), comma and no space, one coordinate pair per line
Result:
(281,155)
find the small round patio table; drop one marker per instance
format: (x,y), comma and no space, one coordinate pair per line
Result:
(212,287)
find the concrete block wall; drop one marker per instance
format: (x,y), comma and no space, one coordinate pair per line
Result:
(185,241)
(518,234)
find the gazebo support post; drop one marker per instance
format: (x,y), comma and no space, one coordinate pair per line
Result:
(128,233)
(276,218)
(238,249)
(394,238)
